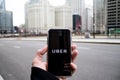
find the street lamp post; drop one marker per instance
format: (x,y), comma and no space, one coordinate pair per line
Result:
(115,32)
(94,31)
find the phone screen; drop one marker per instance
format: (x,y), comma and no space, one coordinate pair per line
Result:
(59,52)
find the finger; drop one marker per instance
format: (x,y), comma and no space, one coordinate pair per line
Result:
(38,59)
(73,47)
(74,67)
(74,55)
(62,78)
(41,52)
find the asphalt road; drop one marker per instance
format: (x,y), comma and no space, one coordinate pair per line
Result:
(95,61)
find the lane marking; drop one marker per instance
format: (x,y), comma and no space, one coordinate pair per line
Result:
(16,46)
(1,78)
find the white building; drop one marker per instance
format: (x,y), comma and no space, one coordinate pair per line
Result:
(41,16)
(63,17)
(89,20)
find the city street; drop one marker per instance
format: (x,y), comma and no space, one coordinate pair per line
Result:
(94,62)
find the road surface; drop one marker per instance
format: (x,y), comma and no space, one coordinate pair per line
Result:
(94,62)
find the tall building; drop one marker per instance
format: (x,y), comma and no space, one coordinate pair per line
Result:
(113,14)
(99,15)
(63,17)
(89,20)
(6,22)
(76,23)
(41,16)
(68,2)
(6,19)
(2,4)
(78,8)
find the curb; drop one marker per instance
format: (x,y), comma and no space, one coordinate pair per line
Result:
(1,78)
(101,41)
(77,40)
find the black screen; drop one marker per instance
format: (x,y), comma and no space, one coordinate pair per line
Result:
(59,52)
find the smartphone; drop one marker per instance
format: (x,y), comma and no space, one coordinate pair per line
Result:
(59,52)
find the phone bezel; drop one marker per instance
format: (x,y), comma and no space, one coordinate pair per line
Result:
(69,42)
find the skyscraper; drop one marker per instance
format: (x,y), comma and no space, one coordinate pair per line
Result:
(68,2)
(113,14)
(41,16)
(63,17)
(2,4)
(6,22)
(89,19)
(6,19)
(99,15)
(78,8)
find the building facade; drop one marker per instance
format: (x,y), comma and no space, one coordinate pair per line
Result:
(99,15)
(2,4)
(63,17)
(113,14)
(6,19)
(89,20)
(78,8)
(41,16)
(6,22)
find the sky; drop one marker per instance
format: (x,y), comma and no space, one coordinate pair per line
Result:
(17,7)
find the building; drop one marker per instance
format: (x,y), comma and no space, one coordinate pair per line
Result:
(76,24)
(68,2)
(99,15)
(6,22)
(63,17)
(113,15)
(2,4)
(6,19)
(35,1)
(89,20)
(78,8)
(41,16)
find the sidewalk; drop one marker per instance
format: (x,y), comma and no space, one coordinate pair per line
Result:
(77,39)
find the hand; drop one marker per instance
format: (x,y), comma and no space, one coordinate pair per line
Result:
(37,62)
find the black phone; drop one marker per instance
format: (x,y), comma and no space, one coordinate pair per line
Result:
(59,52)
